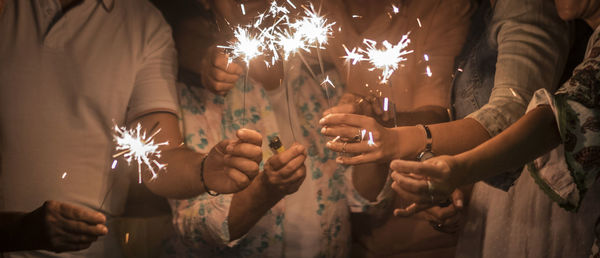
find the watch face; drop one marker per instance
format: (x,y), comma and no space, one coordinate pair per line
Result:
(425,155)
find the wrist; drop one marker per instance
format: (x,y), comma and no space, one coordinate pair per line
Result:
(410,142)
(461,165)
(270,191)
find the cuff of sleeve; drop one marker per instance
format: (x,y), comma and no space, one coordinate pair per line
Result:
(551,171)
(359,204)
(506,106)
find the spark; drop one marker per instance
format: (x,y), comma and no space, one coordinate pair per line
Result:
(371,142)
(64,175)
(395,9)
(419,21)
(245,46)
(243,9)
(312,27)
(385,104)
(290,43)
(327,81)
(356,16)
(114,164)
(352,57)
(134,144)
(460,70)
(126,237)
(363,132)
(428,70)
(426,57)
(388,58)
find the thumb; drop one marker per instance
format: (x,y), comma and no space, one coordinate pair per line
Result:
(458,199)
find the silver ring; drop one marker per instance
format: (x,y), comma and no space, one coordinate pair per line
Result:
(438,226)
(357,137)
(430,190)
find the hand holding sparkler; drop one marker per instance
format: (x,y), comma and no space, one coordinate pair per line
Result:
(231,165)
(369,140)
(218,74)
(59,227)
(285,171)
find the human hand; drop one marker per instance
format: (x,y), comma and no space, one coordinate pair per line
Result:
(285,172)
(427,183)
(369,140)
(217,73)
(61,227)
(372,106)
(231,165)
(447,219)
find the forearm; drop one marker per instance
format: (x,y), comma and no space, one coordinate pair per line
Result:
(531,136)
(249,206)
(457,136)
(181,179)
(11,232)
(370,178)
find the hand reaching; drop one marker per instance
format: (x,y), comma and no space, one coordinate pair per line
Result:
(231,165)
(285,172)
(218,74)
(61,227)
(426,183)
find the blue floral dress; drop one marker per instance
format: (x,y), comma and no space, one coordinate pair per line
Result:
(328,198)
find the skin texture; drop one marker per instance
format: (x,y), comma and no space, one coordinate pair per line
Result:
(531,136)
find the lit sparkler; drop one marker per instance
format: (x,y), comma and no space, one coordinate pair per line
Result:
(134,144)
(388,58)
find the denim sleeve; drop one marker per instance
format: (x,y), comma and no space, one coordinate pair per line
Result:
(533,44)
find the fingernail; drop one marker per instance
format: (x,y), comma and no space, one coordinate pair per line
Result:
(104,229)
(339,160)
(322,120)
(459,203)
(229,148)
(323,130)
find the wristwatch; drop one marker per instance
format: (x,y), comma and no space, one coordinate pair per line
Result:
(426,153)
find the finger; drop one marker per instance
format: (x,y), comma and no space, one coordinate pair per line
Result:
(441,214)
(410,210)
(294,185)
(220,86)
(419,168)
(408,195)
(82,228)
(277,162)
(294,177)
(249,136)
(458,199)
(245,150)
(355,120)
(291,168)
(343,131)
(81,214)
(244,165)
(361,147)
(409,184)
(343,108)
(219,75)
(377,107)
(359,159)
(221,61)
(240,179)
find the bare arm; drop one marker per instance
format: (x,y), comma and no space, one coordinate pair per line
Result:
(531,136)
(283,175)
(229,166)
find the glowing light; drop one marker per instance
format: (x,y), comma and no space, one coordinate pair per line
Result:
(428,70)
(419,22)
(395,9)
(312,27)
(353,56)
(356,16)
(133,144)
(363,132)
(245,46)
(426,57)
(64,175)
(385,104)
(243,9)
(388,58)
(127,238)
(114,164)
(327,81)
(371,142)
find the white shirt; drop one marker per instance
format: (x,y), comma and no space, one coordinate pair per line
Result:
(64,79)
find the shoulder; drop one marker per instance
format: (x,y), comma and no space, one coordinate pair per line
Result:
(139,11)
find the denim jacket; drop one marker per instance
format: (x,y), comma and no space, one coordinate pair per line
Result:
(514,48)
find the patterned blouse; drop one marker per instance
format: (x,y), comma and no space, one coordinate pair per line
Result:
(201,222)
(570,170)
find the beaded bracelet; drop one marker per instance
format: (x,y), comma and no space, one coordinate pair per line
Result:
(209,192)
